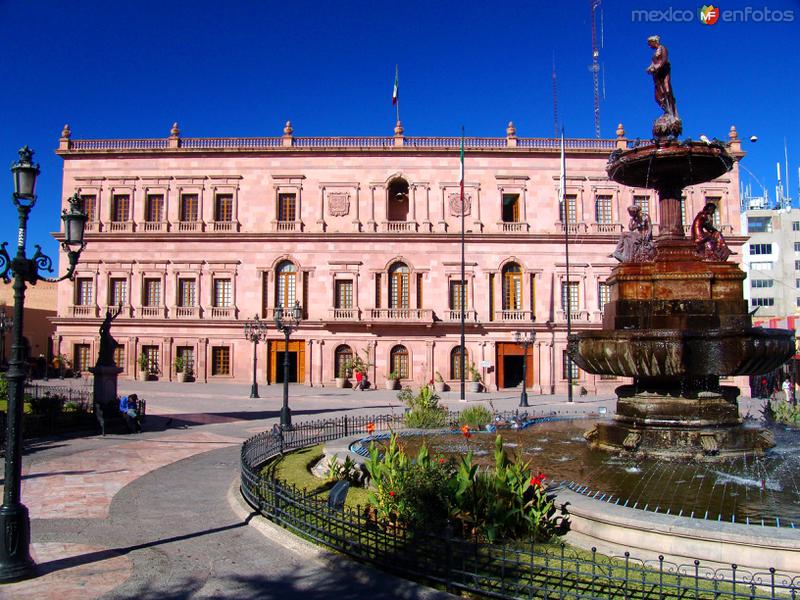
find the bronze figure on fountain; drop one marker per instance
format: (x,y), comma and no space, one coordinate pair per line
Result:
(668,125)
(710,243)
(636,244)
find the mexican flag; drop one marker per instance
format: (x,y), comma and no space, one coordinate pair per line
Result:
(396,85)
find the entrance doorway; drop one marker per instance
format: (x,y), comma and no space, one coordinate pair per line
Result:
(509,365)
(297,361)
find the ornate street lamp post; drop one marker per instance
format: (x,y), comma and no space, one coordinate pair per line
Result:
(255,331)
(6,323)
(287,320)
(15,559)
(526,339)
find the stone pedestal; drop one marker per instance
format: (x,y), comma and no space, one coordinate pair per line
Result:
(105,383)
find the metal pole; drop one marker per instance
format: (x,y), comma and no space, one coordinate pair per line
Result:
(463,357)
(286,414)
(566,255)
(523,399)
(15,560)
(254,387)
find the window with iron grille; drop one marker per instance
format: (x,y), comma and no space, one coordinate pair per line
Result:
(571,288)
(189,207)
(120,207)
(118,291)
(81,362)
(223,207)
(222,293)
(572,209)
(567,365)
(642,202)
(287,207)
(187,288)
(186,353)
(602,209)
(458,293)
(119,356)
(152,292)
(399,361)
(344,293)
(399,286)
(152,356)
(220,360)
(762,301)
(84,293)
(603,295)
(343,357)
(286,285)
(510,208)
(512,287)
(88,205)
(154,208)
(455,362)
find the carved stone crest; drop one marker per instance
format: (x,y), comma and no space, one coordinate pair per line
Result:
(454,200)
(338,203)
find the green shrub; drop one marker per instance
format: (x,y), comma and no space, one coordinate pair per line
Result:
(477,417)
(341,471)
(3,387)
(786,413)
(423,411)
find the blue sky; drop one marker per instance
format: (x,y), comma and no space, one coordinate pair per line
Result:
(243,67)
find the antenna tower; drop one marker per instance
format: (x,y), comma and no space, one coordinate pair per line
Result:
(595,68)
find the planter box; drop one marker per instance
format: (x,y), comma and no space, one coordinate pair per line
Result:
(473,386)
(439,386)
(341,382)
(391,384)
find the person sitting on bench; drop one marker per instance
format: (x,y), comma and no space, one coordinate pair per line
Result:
(129,410)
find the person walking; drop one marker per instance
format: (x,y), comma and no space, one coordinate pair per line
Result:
(787,390)
(359,381)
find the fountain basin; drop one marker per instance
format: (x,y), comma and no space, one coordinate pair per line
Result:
(669,164)
(681,353)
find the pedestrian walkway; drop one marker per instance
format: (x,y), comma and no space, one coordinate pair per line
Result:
(152,516)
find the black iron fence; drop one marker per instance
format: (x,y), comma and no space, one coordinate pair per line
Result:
(519,570)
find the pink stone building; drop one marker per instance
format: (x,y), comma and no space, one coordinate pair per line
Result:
(193,236)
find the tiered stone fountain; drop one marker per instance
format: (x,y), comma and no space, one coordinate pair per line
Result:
(677,322)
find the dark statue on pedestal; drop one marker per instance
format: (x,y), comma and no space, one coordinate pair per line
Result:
(106,373)
(105,356)
(709,242)
(668,124)
(636,244)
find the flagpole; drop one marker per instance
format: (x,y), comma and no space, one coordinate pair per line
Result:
(566,255)
(463,277)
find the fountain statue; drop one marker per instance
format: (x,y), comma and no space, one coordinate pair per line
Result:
(677,320)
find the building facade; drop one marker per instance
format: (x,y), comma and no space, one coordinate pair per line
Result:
(193,236)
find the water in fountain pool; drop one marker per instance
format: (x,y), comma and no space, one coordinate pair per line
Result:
(749,489)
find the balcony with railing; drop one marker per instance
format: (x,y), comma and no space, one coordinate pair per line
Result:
(400,315)
(92,226)
(399,226)
(470,316)
(187,312)
(344,314)
(83,310)
(513,227)
(576,316)
(608,228)
(150,226)
(287,226)
(514,315)
(153,312)
(574,228)
(223,312)
(224,226)
(126,311)
(188,226)
(119,226)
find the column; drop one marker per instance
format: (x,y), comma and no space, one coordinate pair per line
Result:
(356,207)
(321,362)
(309,366)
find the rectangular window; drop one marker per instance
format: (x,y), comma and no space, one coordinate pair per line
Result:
(572,209)
(189,208)
(762,283)
(377,290)
(458,292)
(81,362)
(84,292)
(152,292)
(510,208)
(119,356)
(118,291)
(287,207)
(491,296)
(686,220)
(419,290)
(222,293)
(797,246)
(796,265)
(154,208)
(797,283)
(759,224)
(603,295)
(760,249)
(567,365)
(762,301)
(120,207)
(643,202)
(398,289)
(223,208)
(186,354)
(571,288)
(795,225)
(512,289)
(717,201)
(767,266)
(602,210)
(187,292)
(344,293)
(88,206)
(220,360)
(151,355)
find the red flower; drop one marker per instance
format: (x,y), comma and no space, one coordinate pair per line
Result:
(391,494)
(370,428)
(465,431)
(441,461)
(538,480)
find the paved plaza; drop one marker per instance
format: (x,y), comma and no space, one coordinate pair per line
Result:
(158,515)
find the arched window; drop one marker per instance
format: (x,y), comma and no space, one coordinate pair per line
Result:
(398,360)
(512,287)
(343,357)
(455,363)
(397,209)
(285,284)
(399,283)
